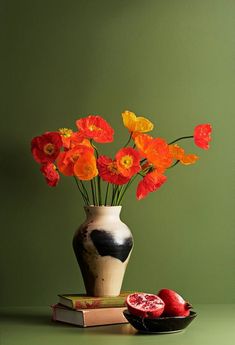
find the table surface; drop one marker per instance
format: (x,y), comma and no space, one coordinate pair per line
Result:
(215,324)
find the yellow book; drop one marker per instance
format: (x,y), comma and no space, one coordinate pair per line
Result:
(82,301)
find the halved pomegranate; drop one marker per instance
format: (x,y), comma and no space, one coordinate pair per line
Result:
(145,305)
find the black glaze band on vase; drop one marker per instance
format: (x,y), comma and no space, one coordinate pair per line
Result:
(107,246)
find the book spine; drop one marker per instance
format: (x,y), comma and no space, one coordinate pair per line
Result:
(103,317)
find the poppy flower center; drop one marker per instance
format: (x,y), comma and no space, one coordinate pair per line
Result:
(74,157)
(66,132)
(127,161)
(49,149)
(87,169)
(94,128)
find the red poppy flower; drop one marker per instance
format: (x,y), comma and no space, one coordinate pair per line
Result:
(46,148)
(66,135)
(202,135)
(50,173)
(67,159)
(96,128)
(109,172)
(150,183)
(71,139)
(128,161)
(78,139)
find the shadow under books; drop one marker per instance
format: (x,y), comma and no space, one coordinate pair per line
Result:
(43,319)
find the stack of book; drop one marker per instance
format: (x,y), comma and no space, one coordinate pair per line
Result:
(85,311)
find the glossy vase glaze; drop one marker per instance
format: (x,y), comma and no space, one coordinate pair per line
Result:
(103,245)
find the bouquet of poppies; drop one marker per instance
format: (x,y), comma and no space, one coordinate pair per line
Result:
(102,180)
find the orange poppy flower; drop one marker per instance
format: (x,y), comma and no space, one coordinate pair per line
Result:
(202,135)
(136,124)
(128,161)
(158,154)
(85,167)
(150,183)
(50,173)
(189,159)
(96,128)
(142,142)
(46,148)
(155,150)
(67,159)
(108,171)
(178,153)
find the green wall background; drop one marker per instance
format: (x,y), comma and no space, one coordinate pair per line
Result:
(172,61)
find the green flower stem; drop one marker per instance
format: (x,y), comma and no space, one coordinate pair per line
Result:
(99,190)
(93,192)
(174,141)
(94,147)
(130,137)
(173,165)
(80,190)
(120,192)
(85,191)
(106,194)
(118,189)
(97,185)
(114,194)
(125,189)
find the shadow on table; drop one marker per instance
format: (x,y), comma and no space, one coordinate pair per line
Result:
(23,318)
(30,318)
(126,329)
(43,319)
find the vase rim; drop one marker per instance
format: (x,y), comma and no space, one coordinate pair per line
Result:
(102,206)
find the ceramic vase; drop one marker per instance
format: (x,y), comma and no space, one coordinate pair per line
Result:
(103,245)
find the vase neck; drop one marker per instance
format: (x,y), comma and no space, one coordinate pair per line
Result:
(102,211)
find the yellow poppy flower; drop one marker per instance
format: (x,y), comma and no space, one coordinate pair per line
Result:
(136,123)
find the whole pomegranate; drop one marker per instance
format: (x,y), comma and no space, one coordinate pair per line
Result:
(175,305)
(145,305)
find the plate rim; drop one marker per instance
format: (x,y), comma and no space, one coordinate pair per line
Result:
(192,314)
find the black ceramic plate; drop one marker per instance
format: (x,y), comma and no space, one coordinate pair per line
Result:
(161,324)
